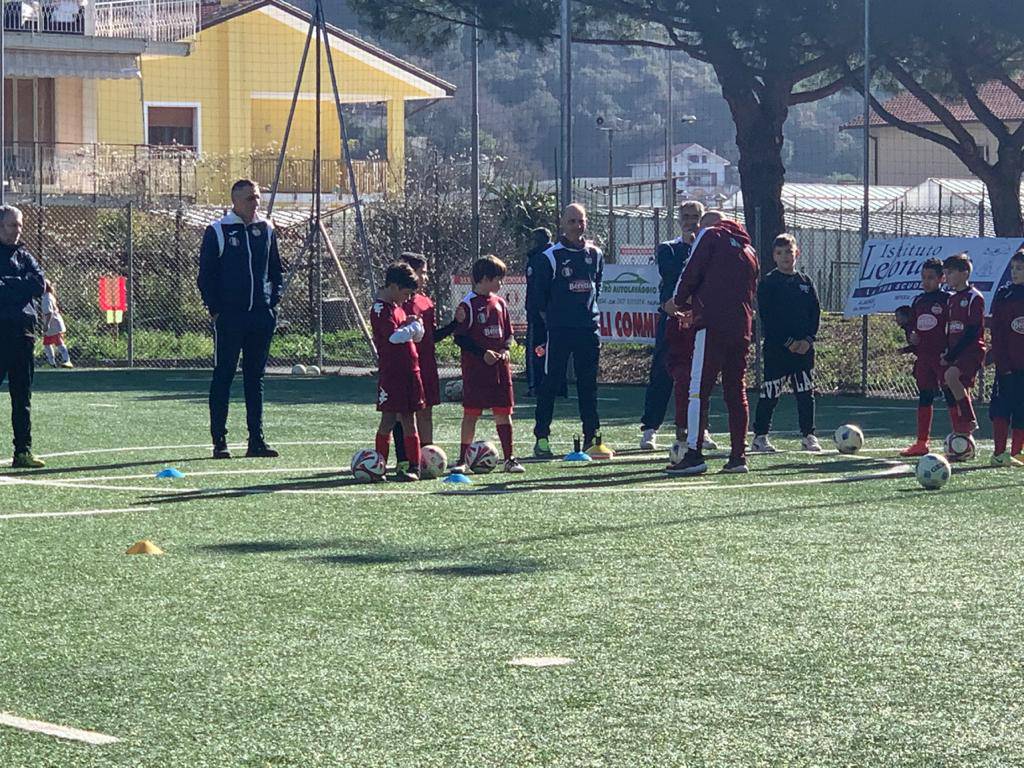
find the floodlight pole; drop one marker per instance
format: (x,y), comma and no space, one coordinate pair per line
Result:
(474,42)
(3,94)
(317,190)
(670,182)
(565,46)
(864,214)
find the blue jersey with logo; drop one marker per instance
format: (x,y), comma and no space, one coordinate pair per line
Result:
(568,280)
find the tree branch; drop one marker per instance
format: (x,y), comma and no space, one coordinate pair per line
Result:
(974,101)
(940,110)
(814,94)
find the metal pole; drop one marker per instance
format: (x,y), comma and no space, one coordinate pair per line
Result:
(130,248)
(474,42)
(670,182)
(611,200)
(317,186)
(565,47)
(865,213)
(3,93)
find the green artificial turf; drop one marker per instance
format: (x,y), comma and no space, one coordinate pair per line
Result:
(778,618)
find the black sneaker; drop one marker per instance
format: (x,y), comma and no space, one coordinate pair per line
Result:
(406,477)
(737,465)
(220,449)
(261,450)
(693,463)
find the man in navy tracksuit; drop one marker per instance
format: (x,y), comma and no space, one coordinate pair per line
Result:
(240,281)
(568,283)
(21,283)
(536,331)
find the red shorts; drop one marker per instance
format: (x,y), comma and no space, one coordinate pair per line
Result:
(486,387)
(498,410)
(400,393)
(929,372)
(969,364)
(431,382)
(57,339)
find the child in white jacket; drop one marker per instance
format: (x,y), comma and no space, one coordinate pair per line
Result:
(53,331)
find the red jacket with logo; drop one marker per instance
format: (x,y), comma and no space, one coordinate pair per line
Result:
(719,281)
(1008,329)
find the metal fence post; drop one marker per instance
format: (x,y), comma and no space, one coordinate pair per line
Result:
(757,320)
(130,298)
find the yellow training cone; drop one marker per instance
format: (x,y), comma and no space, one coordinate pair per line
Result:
(144,547)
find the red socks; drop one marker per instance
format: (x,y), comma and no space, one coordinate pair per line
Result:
(383,445)
(1018,442)
(966,409)
(412,451)
(505,435)
(1000,431)
(924,422)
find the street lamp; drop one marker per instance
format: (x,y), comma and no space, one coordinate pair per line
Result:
(609,126)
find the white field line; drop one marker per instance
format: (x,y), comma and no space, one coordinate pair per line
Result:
(77,513)
(94,486)
(214,473)
(51,729)
(151,448)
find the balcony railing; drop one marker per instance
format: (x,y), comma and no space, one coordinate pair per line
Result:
(99,170)
(297,175)
(162,21)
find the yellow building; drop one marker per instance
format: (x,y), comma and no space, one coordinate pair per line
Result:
(229,99)
(209,106)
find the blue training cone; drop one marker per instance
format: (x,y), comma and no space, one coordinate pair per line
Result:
(457,479)
(170,472)
(577,455)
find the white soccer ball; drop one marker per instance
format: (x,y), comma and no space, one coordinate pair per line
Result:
(677,451)
(298,370)
(933,471)
(849,438)
(482,457)
(453,391)
(433,462)
(368,466)
(313,370)
(960,447)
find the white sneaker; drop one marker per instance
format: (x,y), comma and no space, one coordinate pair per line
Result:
(810,444)
(460,469)
(513,466)
(761,445)
(649,440)
(708,444)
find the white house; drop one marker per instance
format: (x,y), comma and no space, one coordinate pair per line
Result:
(692,165)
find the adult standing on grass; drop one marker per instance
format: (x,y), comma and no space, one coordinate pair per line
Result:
(21,282)
(240,281)
(718,285)
(568,284)
(536,330)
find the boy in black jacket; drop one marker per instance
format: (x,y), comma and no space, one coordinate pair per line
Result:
(790,314)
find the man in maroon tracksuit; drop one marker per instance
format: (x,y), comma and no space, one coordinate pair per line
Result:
(718,285)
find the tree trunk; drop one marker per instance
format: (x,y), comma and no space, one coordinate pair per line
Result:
(759,119)
(1003,186)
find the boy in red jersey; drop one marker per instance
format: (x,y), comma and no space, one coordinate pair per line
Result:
(965,340)
(399,386)
(422,306)
(925,326)
(484,333)
(1007,406)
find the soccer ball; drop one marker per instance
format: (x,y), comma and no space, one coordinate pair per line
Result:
(313,370)
(677,451)
(368,466)
(298,370)
(960,447)
(453,391)
(433,462)
(482,457)
(933,471)
(849,438)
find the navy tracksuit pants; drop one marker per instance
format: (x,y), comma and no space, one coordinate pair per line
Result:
(584,345)
(17,365)
(246,334)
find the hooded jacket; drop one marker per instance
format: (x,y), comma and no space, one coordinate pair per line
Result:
(719,281)
(21,281)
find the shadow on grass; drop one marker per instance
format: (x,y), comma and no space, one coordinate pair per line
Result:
(101,467)
(485,569)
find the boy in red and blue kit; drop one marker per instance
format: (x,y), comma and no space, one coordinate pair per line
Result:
(965,340)
(484,334)
(1007,406)
(399,386)
(924,323)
